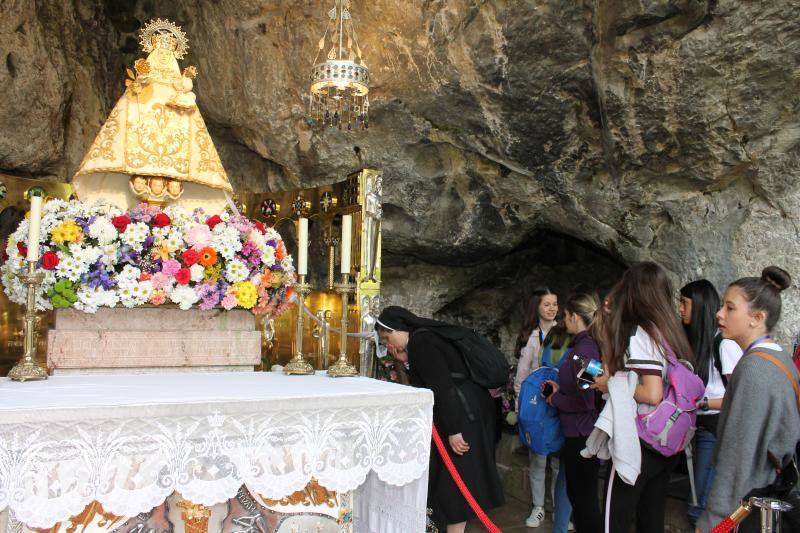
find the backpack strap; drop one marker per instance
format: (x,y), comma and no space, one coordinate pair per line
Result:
(775,361)
(456,376)
(717,358)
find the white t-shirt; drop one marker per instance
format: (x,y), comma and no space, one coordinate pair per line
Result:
(729,355)
(646,359)
(645,356)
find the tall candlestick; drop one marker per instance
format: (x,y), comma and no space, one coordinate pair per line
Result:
(302,247)
(34,223)
(347,231)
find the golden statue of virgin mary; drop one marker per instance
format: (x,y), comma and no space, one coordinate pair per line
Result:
(155,146)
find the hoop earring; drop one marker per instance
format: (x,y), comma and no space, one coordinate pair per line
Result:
(752,324)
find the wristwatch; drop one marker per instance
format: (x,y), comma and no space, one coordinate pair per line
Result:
(704,404)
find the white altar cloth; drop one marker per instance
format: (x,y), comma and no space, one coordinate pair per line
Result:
(129,441)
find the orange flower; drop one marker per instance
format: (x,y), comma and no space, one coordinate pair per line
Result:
(267,279)
(208,256)
(280,252)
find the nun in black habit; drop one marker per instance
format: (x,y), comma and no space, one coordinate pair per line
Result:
(463,411)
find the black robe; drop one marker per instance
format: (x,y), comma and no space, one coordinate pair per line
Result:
(432,360)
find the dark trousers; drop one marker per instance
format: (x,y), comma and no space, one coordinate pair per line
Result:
(641,504)
(581,475)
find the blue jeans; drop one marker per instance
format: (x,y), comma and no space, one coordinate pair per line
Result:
(703,454)
(563,509)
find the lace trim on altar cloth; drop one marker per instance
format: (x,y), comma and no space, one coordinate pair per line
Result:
(49,472)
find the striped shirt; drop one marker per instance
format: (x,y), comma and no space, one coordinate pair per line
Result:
(644,356)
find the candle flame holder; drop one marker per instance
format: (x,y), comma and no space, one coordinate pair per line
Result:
(27,369)
(298,365)
(342,367)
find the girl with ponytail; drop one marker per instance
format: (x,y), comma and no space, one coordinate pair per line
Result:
(577,409)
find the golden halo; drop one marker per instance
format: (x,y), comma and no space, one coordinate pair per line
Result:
(159,26)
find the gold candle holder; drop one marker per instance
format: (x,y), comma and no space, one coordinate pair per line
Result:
(342,367)
(27,369)
(298,365)
(331,242)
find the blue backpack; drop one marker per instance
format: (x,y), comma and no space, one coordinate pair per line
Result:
(539,425)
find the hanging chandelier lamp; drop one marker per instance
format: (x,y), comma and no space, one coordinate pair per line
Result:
(340,84)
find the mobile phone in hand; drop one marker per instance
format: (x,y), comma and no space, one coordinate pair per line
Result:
(585,380)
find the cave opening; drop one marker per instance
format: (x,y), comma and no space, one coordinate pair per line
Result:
(562,263)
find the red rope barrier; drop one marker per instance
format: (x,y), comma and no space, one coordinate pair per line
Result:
(730,523)
(448,462)
(725,526)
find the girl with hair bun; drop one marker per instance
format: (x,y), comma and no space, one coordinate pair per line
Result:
(759,425)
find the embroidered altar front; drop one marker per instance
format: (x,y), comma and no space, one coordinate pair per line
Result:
(128,442)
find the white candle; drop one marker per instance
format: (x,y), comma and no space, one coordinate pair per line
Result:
(302,247)
(34,223)
(347,231)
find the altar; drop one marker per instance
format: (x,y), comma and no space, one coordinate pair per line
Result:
(177,363)
(128,442)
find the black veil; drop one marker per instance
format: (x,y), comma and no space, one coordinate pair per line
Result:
(400,319)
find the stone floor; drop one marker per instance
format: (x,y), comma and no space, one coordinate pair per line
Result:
(511,518)
(512,463)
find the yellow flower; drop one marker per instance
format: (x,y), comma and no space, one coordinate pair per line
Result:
(163,252)
(67,231)
(246,294)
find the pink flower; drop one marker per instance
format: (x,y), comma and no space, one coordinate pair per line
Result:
(198,237)
(159,280)
(158,297)
(170,267)
(229,302)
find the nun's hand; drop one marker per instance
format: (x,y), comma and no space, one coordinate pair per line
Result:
(458,444)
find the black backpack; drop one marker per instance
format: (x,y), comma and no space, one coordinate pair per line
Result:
(487,366)
(717,358)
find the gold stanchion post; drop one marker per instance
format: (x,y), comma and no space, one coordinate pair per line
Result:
(342,367)
(298,365)
(27,369)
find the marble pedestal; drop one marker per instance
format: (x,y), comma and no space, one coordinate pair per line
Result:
(153,340)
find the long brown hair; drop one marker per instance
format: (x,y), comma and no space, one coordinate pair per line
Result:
(643,297)
(530,318)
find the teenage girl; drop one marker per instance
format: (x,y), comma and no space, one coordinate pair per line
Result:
(640,321)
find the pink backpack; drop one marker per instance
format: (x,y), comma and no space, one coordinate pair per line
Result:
(670,427)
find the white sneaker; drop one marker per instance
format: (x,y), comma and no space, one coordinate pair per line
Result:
(570,526)
(536,517)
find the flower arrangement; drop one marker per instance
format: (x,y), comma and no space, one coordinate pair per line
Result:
(94,255)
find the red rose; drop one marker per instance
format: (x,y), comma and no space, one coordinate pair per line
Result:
(260,227)
(121,222)
(183,276)
(213,221)
(190,257)
(22,249)
(49,260)
(161,220)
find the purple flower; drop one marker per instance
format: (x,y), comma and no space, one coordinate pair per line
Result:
(98,276)
(241,223)
(84,223)
(127,254)
(209,294)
